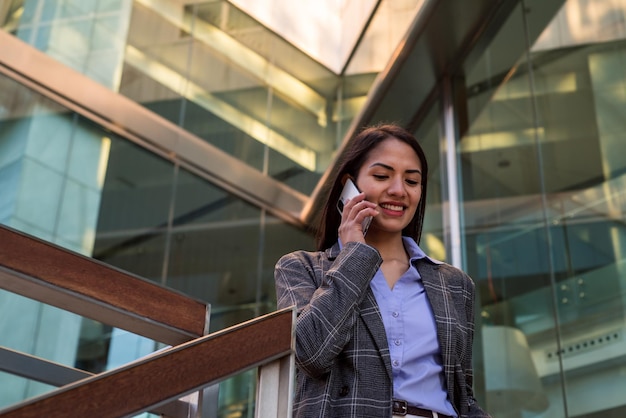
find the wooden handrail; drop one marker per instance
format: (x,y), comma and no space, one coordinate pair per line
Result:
(56,374)
(169,374)
(56,276)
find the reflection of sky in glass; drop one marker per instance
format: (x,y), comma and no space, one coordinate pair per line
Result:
(328,30)
(126,347)
(584,22)
(325,29)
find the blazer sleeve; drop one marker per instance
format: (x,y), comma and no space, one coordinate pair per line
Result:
(327,295)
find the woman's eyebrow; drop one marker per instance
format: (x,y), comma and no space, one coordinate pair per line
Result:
(388,167)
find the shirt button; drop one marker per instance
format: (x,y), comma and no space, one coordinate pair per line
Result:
(395,314)
(397,342)
(396,363)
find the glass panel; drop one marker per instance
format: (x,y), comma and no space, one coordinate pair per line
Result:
(221,75)
(280,239)
(543,178)
(269,80)
(41,143)
(580,78)
(223,250)
(33,328)
(10,14)
(134,210)
(13,388)
(507,243)
(433,236)
(52,171)
(84,35)
(215,250)
(237,395)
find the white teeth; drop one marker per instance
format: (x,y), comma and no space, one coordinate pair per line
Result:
(393,207)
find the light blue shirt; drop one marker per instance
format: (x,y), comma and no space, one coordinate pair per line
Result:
(412,336)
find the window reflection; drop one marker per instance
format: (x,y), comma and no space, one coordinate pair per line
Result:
(544,203)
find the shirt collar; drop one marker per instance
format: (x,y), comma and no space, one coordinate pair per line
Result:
(415,252)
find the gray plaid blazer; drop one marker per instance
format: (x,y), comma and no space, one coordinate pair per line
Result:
(342,356)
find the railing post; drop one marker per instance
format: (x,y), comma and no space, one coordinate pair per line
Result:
(208,402)
(208,398)
(276,385)
(275,389)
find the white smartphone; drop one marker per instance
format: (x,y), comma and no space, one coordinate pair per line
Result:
(349,191)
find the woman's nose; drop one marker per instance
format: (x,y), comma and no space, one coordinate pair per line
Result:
(396,188)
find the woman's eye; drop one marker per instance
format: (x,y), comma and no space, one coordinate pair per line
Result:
(380,176)
(412,182)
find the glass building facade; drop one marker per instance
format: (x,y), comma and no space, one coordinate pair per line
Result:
(188,142)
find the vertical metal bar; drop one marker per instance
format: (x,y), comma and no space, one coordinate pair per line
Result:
(208,401)
(286,385)
(267,396)
(276,383)
(275,388)
(208,398)
(453,213)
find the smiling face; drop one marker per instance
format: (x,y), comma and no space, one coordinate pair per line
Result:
(391,177)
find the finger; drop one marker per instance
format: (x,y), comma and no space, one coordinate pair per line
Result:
(363,206)
(350,203)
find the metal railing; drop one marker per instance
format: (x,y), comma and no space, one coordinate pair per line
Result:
(156,383)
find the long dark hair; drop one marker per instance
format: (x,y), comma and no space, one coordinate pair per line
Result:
(356,153)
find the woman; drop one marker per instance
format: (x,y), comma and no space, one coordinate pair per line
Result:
(382,328)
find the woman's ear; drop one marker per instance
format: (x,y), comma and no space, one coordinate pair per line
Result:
(345,178)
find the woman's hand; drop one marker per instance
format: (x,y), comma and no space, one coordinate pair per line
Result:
(354,213)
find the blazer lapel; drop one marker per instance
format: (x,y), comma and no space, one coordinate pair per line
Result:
(441,303)
(374,323)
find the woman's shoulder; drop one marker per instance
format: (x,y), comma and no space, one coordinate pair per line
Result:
(351,249)
(455,274)
(301,256)
(448,270)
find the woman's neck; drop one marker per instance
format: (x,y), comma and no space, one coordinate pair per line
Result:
(395,258)
(389,247)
